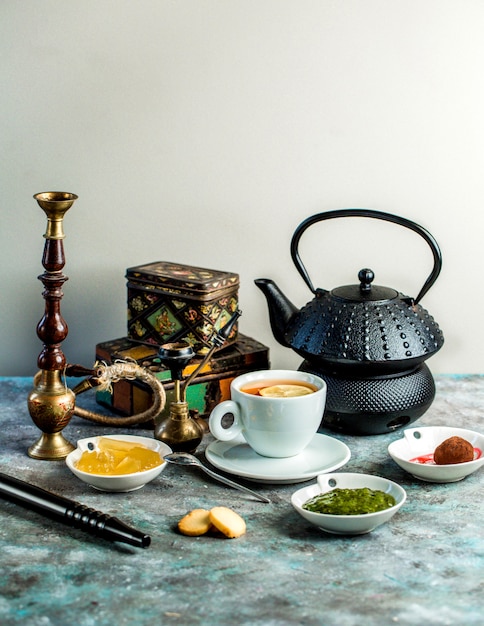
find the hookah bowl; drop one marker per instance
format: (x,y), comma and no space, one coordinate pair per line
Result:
(51,403)
(180,430)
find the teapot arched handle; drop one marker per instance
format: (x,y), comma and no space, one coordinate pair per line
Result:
(380,215)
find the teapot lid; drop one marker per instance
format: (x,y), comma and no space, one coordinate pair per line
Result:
(365,291)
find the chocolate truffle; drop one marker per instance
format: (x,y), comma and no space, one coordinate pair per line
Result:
(453,450)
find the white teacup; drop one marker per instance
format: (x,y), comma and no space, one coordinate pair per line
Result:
(276,427)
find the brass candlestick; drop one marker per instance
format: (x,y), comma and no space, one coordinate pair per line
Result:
(51,403)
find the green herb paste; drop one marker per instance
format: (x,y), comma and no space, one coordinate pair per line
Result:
(350,502)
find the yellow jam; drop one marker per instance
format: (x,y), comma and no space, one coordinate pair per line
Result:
(115,457)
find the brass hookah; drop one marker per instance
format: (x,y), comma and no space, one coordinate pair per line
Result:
(51,402)
(180,430)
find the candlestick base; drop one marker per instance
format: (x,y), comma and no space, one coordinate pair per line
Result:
(51,405)
(51,447)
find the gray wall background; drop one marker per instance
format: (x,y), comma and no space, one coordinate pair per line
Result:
(205,131)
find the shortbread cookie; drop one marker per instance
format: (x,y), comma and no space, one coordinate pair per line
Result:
(227,521)
(195,523)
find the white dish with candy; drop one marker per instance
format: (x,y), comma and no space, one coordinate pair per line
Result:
(415,453)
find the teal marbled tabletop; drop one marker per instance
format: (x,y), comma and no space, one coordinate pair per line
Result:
(426,566)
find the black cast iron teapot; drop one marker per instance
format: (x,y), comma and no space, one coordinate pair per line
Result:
(368,342)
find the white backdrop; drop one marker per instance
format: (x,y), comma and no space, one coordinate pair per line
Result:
(205,131)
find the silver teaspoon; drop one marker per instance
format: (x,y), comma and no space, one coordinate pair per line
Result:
(184,458)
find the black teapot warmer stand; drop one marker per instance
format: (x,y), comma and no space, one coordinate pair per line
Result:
(374,405)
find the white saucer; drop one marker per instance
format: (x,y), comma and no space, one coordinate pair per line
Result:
(324,454)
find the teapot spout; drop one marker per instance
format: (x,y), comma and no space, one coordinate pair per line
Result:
(281,310)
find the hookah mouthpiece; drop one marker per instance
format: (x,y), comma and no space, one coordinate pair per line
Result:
(220,337)
(70,512)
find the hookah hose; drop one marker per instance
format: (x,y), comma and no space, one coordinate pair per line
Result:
(103,375)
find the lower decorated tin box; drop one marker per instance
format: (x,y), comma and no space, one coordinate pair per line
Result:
(211,385)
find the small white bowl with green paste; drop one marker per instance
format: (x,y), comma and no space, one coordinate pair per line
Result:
(349,503)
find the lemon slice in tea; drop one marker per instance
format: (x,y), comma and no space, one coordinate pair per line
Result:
(285,391)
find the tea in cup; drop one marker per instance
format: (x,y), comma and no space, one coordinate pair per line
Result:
(278,412)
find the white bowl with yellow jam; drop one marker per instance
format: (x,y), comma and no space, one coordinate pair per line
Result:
(118,463)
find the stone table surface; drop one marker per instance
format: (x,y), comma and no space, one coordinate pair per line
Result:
(426,566)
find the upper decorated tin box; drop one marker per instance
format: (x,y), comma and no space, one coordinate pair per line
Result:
(169,302)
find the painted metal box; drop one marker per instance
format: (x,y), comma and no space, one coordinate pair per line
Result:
(168,302)
(211,385)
